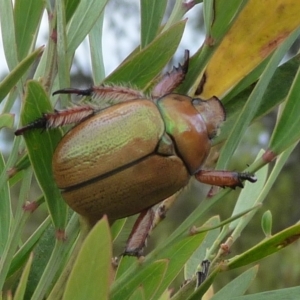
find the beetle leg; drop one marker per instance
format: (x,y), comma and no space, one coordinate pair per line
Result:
(224,178)
(171,80)
(163,207)
(202,275)
(145,224)
(105,93)
(59,118)
(139,234)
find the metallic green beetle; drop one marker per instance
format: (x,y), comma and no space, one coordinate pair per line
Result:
(125,158)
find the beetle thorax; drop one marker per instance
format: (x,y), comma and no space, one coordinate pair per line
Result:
(187,128)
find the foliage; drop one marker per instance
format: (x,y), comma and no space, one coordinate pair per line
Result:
(245,42)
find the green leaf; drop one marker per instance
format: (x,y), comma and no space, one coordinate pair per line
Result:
(27,16)
(277,90)
(177,253)
(63,64)
(124,264)
(71,6)
(266,247)
(219,16)
(43,250)
(198,256)
(20,291)
(117,228)
(266,223)
(249,195)
(152,12)
(8,35)
(95,40)
(178,12)
(92,272)
(287,128)
(237,286)
(150,278)
(286,294)
(22,164)
(51,259)
(5,211)
(142,67)
(23,253)
(6,120)
(166,295)
(138,294)
(82,21)
(15,75)
(40,146)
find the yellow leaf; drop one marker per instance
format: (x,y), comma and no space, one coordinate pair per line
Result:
(259,29)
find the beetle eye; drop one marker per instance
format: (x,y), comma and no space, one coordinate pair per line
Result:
(197,101)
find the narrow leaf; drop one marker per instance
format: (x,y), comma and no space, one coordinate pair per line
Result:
(5,211)
(85,16)
(177,253)
(63,64)
(71,6)
(152,12)
(23,253)
(221,15)
(6,120)
(138,294)
(40,146)
(249,195)
(14,76)
(95,39)
(287,129)
(277,91)
(27,16)
(8,35)
(145,65)
(20,291)
(266,223)
(286,294)
(92,272)
(237,286)
(198,256)
(266,247)
(150,278)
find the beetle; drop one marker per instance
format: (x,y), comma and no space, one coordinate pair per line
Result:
(132,152)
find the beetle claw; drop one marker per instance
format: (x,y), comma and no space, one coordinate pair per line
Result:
(81,92)
(39,123)
(247,176)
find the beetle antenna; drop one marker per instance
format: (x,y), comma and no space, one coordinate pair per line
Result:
(82,92)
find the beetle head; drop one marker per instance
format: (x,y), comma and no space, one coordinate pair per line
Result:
(212,112)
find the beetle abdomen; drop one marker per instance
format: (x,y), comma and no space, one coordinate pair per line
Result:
(131,190)
(115,137)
